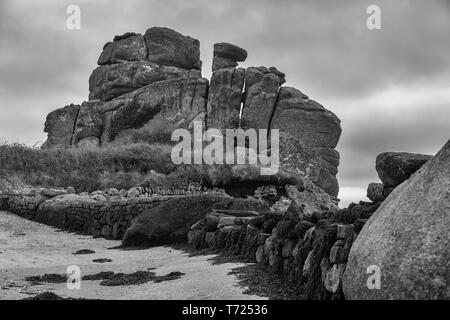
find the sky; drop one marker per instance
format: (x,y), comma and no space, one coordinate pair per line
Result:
(389,86)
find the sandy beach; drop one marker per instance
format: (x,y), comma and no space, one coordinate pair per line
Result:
(28,249)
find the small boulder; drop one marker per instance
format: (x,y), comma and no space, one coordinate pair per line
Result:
(170,48)
(375,192)
(59,126)
(98,192)
(230,51)
(133,193)
(71,190)
(223,63)
(395,167)
(98,197)
(53,192)
(112,192)
(227,55)
(163,223)
(129,47)
(123,193)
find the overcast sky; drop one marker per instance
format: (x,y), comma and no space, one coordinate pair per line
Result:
(390,87)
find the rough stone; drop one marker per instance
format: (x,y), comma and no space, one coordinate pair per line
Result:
(223,63)
(53,192)
(344,231)
(133,193)
(176,102)
(227,55)
(395,167)
(131,48)
(261,91)
(260,254)
(89,122)
(306,119)
(230,51)
(168,47)
(375,192)
(157,226)
(59,126)
(224,98)
(110,81)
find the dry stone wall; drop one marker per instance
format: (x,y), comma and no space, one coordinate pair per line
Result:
(96,214)
(308,248)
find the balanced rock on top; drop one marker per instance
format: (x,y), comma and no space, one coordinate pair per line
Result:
(227,55)
(395,167)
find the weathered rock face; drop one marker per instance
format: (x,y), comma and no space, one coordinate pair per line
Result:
(230,51)
(313,125)
(89,123)
(111,81)
(60,125)
(375,192)
(306,119)
(170,48)
(177,102)
(261,90)
(128,47)
(227,55)
(224,98)
(395,167)
(408,239)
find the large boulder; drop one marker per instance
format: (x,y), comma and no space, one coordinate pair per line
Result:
(230,51)
(261,91)
(224,98)
(59,126)
(110,81)
(227,55)
(315,164)
(316,128)
(306,119)
(89,123)
(395,167)
(408,238)
(127,47)
(171,220)
(175,102)
(170,48)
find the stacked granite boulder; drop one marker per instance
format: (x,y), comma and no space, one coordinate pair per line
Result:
(140,78)
(155,78)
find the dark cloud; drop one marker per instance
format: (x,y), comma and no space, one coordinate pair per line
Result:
(366,77)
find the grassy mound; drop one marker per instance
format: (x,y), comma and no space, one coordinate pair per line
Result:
(121,166)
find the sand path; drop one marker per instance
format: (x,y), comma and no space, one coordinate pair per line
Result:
(28,248)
